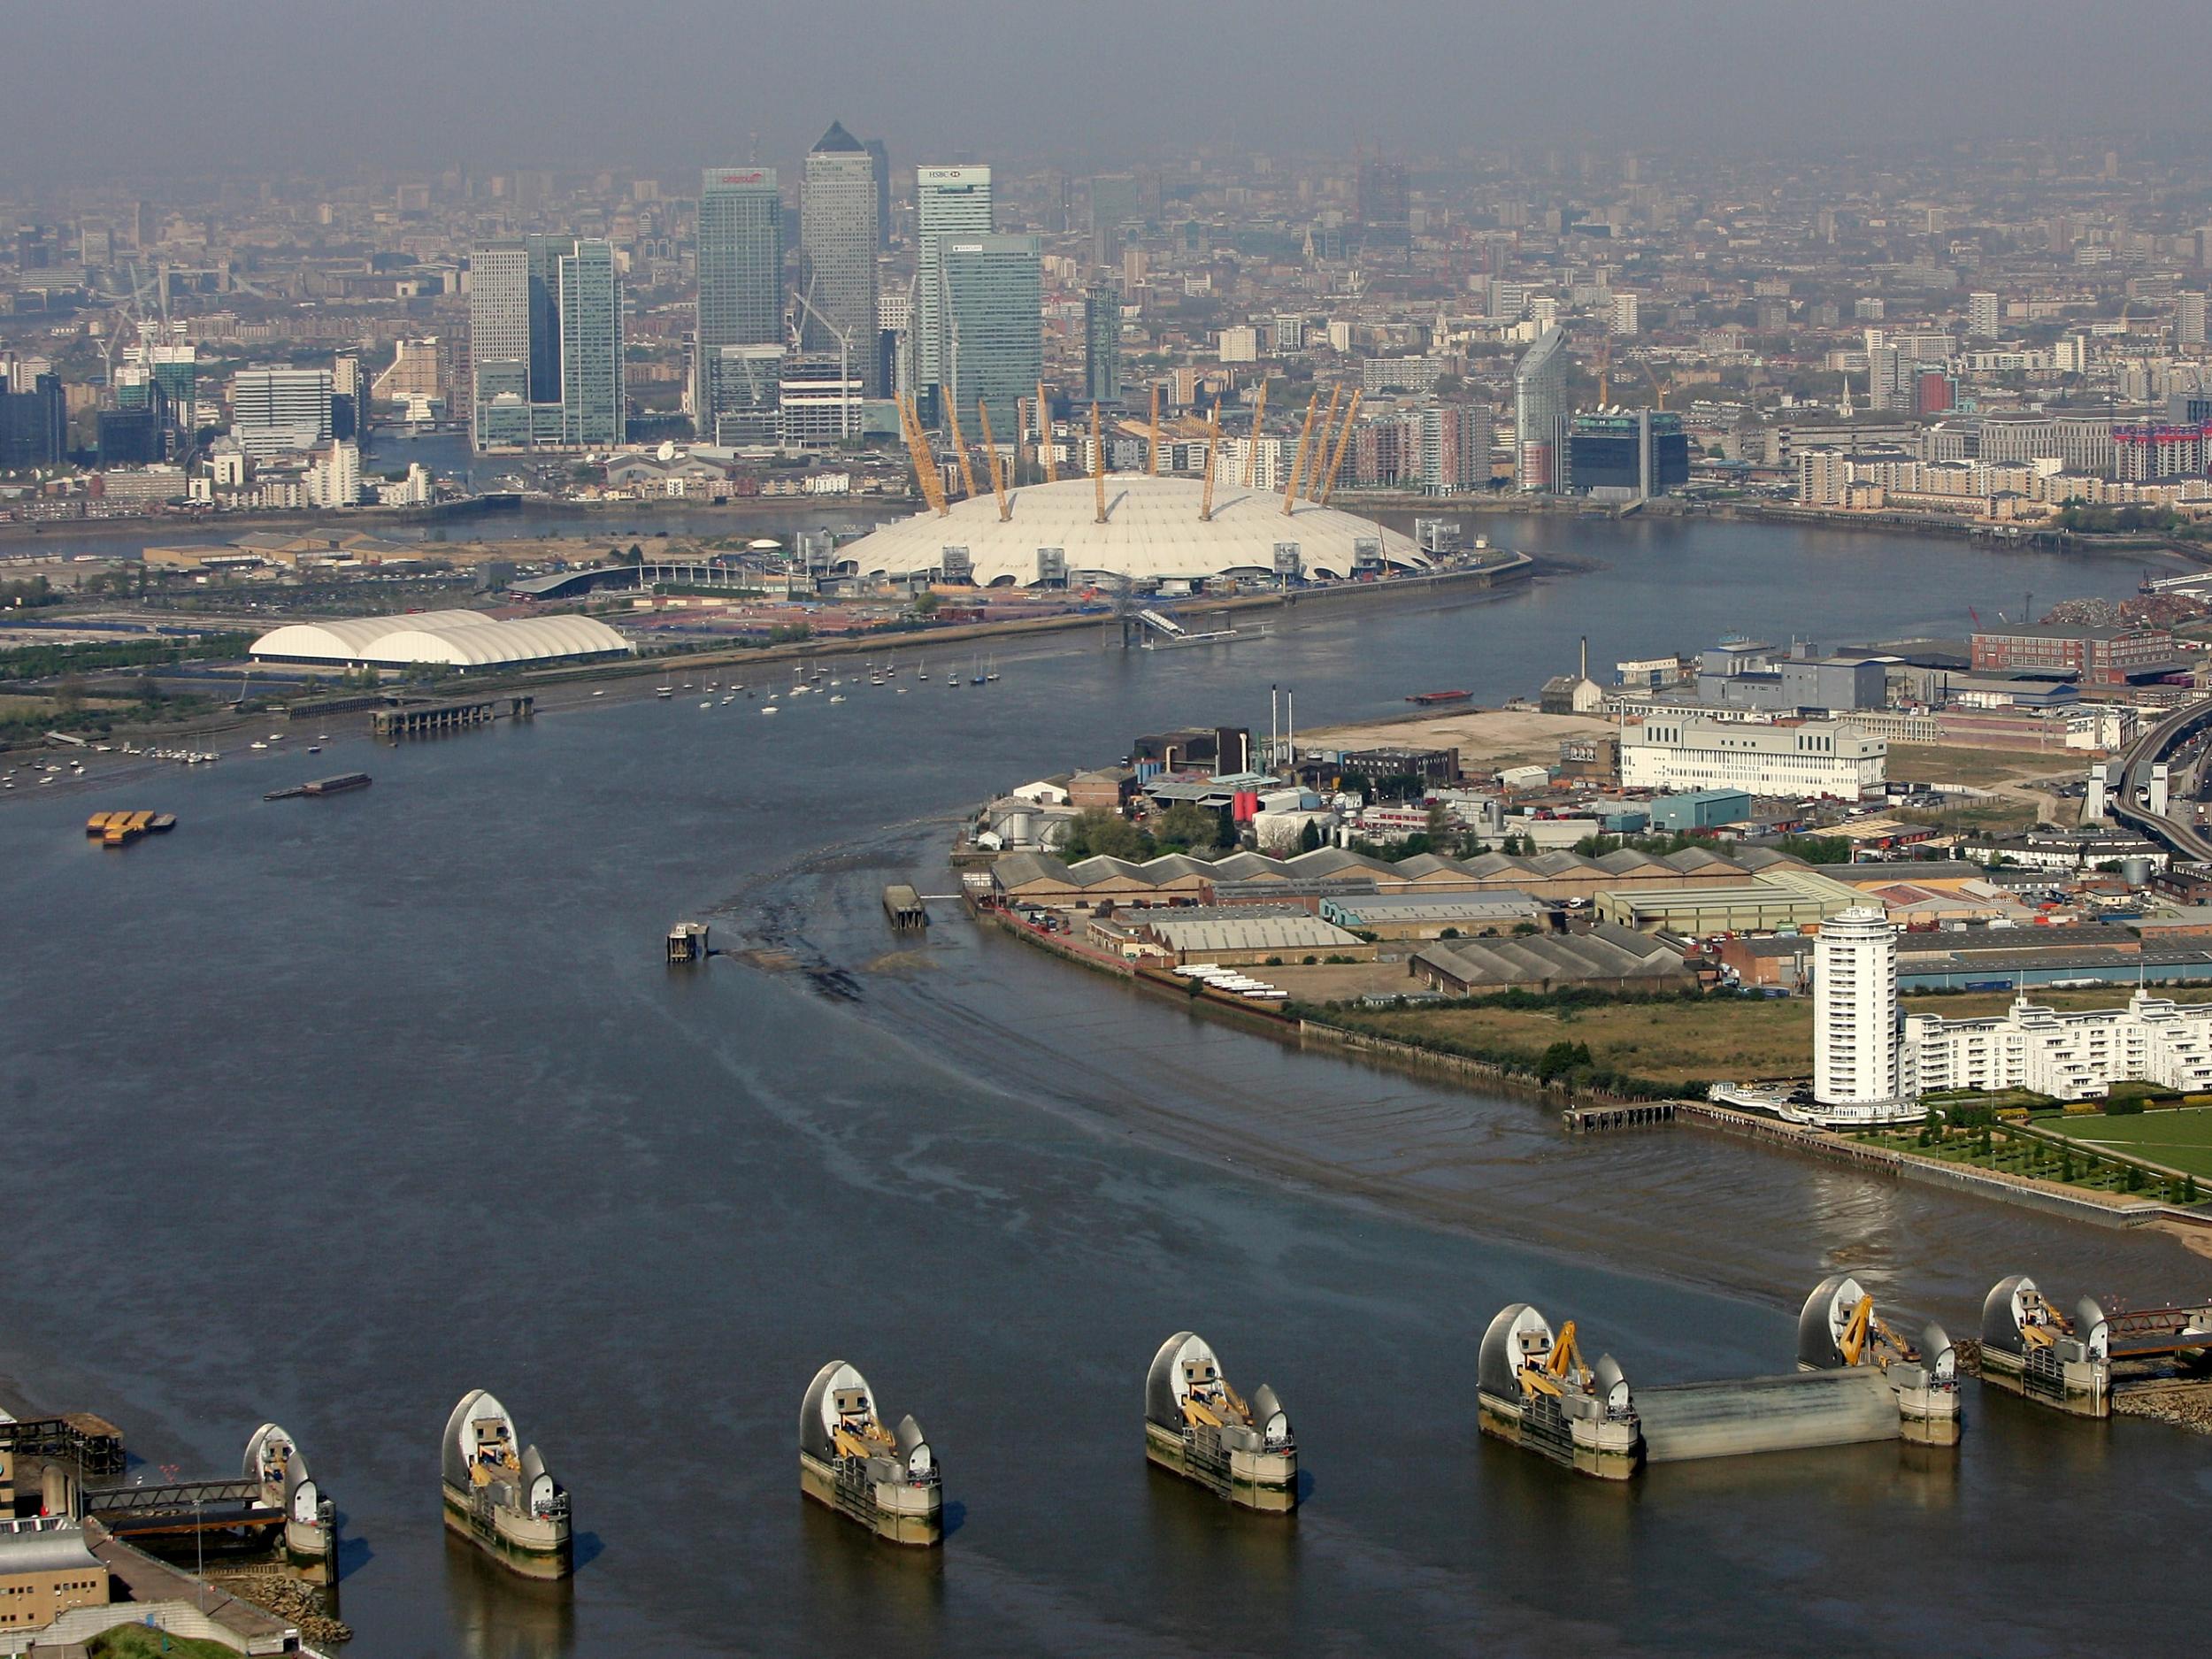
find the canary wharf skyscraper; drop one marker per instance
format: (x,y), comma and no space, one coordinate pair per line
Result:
(741,271)
(837,236)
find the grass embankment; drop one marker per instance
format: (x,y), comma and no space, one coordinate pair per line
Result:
(2014,1150)
(137,1641)
(1675,1044)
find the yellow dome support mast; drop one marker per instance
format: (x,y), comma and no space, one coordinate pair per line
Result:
(927,477)
(1259,418)
(1321,452)
(1098,465)
(1044,436)
(959,447)
(1152,462)
(1343,441)
(990,459)
(1298,466)
(1213,445)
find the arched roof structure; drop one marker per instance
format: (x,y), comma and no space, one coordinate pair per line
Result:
(456,639)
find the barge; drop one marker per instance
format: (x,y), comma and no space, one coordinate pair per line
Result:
(885,1480)
(1839,1329)
(503,1503)
(2031,1349)
(1532,1389)
(1197,1426)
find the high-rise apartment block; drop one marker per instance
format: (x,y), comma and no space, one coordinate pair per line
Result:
(1102,344)
(1540,414)
(1854,1010)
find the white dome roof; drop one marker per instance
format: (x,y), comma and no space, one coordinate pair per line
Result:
(461,638)
(1152,533)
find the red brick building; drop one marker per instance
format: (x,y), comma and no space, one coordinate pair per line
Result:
(2091,656)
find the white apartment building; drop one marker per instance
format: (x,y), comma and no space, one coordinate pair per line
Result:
(2069,1055)
(1240,345)
(1819,757)
(1854,1010)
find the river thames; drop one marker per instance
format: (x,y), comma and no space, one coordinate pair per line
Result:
(327,1111)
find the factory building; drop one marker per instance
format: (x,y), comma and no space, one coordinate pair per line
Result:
(2089,657)
(1813,759)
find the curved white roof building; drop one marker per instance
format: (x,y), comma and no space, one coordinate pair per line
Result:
(456,639)
(1152,533)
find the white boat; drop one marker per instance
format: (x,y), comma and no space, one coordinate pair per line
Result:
(837,696)
(769,708)
(599,693)
(258,744)
(314,748)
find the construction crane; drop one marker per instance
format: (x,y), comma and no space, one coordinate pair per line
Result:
(1098,464)
(1298,466)
(1213,443)
(959,447)
(925,474)
(1343,443)
(1659,390)
(1044,436)
(1152,464)
(1336,397)
(1865,1338)
(990,458)
(1605,370)
(1252,456)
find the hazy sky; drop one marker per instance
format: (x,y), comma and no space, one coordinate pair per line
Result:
(105,87)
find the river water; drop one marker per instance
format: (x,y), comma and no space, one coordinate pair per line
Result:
(328,1111)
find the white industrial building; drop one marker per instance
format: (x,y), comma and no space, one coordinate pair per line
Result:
(452,639)
(1818,757)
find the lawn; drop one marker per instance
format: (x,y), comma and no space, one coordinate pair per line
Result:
(2180,1139)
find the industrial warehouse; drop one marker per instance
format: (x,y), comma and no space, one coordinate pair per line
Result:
(445,639)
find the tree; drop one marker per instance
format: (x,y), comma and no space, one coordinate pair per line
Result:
(1309,837)
(1562,1057)
(1187,827)
(1101,833)
(926,604)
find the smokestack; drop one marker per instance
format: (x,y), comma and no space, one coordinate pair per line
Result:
(1585,656)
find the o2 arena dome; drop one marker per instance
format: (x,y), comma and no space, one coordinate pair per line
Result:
(1153,534)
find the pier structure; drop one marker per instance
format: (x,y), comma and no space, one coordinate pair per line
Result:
(2031,1349)
(885,1480)
(688,944)
(427,719)
(904,907)
(1197,1426)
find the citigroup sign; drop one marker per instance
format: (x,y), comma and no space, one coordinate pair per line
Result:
(757,175)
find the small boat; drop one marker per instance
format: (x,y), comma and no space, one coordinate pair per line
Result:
(769,708)
(837,696)
(664,692)
(599,693)
(314,748)
(902,691)
(708,704)
(990,671)
(923,671)
(876,680)
(258,744)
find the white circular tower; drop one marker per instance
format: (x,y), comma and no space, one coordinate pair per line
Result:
(1854,1008)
